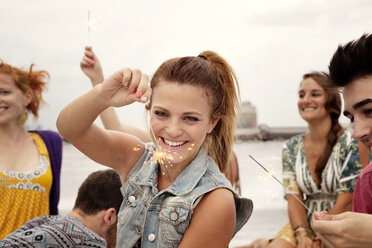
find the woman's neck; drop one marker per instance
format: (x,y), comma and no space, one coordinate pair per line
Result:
(319,129)
(10,134)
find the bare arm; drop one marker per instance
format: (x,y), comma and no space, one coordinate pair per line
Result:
(343,203)
(213,221)
(297,216)
(92,68)
(111,148)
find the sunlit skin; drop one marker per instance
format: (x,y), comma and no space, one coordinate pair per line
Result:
(311,101)
(12,100)
(358,108)
(180,118)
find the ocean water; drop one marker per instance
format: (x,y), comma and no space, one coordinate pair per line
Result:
(270,208)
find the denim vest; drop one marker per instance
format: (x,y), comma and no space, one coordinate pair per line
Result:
(160,219)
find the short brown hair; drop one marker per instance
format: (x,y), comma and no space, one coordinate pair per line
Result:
(100,191)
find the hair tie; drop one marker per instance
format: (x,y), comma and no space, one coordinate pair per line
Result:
(202,56)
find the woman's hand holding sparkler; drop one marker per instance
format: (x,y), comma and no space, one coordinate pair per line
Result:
(125,87)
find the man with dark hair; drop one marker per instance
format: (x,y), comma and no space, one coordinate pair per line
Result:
(91,223)
(351,68)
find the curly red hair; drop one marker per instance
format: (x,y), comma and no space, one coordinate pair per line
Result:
(25,80)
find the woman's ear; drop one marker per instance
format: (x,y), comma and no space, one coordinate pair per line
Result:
(213,122)
(27,98)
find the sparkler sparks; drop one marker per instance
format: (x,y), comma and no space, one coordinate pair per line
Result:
(272,175)
(159,154)
(136,149)
(91,24)
(163,156)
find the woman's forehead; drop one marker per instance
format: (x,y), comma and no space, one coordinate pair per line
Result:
(185,97)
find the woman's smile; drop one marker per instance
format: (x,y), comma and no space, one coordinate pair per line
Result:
(180,120)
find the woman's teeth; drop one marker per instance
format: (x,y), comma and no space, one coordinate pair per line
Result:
(308,109)
(172,143)
(2,109)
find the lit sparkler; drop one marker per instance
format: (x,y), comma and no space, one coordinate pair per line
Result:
(164,156)
(92,25)
(89,26)
(325,241)
(159,154)
(272,175)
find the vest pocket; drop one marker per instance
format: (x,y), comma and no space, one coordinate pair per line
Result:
(174,221)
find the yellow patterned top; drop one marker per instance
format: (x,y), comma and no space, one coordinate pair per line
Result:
(25,195)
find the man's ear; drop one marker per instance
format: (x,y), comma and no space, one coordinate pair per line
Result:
(213,122)
(110,216)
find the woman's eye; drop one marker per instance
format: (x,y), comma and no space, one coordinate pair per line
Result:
(159,113)
(4,92)
(191,118)
(301,95)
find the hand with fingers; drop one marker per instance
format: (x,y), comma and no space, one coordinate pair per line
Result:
(125,87)
(91,66)
(348,229)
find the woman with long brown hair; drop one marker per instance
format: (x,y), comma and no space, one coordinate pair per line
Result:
(174,187)
(320,167)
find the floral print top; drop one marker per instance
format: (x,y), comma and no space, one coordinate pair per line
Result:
(339,175)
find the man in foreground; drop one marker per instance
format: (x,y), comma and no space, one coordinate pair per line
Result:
(91,223)
(351,68)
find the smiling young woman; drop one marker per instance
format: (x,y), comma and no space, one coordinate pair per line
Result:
(30,161)
(193,103)
(320,167)
(92,68)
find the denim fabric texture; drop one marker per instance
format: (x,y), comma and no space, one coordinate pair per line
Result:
(160,219)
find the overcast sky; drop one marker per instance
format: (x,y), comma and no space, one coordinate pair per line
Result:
(269,43)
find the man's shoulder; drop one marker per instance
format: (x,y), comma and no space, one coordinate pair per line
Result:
(366,171)
(56,231)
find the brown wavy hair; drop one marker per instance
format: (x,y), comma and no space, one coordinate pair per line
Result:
(211,72)
(25,80)
(333,106)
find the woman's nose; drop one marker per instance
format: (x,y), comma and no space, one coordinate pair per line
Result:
(174,128)
(306,98)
